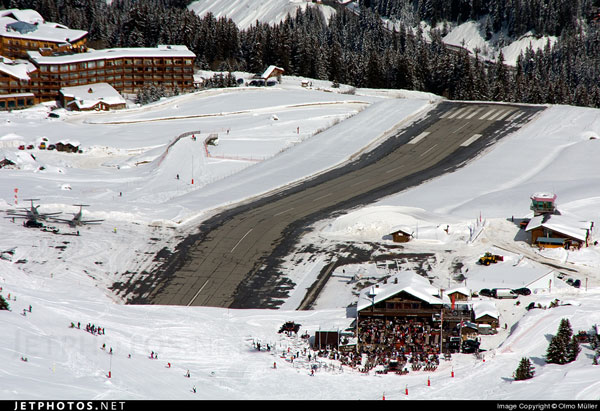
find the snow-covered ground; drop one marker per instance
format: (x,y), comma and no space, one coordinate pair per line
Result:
(268,138)
(246,13)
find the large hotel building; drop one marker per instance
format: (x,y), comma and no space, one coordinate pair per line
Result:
(38,59)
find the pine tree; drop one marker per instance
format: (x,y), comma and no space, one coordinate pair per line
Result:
(565,331)
(563,347)
(524,371)
(3,304)
(573,349)
(557,351)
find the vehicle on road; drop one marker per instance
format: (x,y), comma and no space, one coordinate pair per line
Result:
(522,291)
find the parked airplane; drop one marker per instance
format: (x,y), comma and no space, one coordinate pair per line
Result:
(31,213)
(78,220)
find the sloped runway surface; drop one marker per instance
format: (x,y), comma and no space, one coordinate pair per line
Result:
(233,261)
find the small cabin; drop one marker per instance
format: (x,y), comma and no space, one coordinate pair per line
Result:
(401,235)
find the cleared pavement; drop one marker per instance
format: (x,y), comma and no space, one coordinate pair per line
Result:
(232,262)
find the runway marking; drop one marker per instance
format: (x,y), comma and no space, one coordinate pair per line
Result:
(322,197)
(496,115)
(504,115)
(238,243)
(289,209)
(470,140)
(515,116)
(487,114)
(391,170)
(470,111)
(474,113)
(460,128)
(428,150)
(447,113)
(458,111)
(199,291)
(419,137)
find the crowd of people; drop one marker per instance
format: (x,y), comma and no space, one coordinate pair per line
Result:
(398,343)
(91,328)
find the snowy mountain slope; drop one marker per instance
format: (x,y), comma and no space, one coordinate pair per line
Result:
(246,13)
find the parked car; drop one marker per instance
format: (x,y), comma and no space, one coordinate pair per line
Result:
(573,282)
(503,293)
(522,291)
(486,292)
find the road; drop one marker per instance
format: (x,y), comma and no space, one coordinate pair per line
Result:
(233,261)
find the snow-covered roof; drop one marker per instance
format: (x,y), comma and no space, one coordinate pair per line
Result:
(160,51)
(462,290)
(269,71)
(543,196)
(25,15)
(19,70)
(17,24)
(89,95)
(562,224)
(406,281)
(483,308)
(403,228)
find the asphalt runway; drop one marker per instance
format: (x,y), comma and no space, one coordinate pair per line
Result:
(233,261)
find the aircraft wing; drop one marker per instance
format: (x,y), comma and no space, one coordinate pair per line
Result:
(90,221)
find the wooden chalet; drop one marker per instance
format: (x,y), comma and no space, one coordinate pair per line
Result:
(409,296)
(486,313)
(459,294)
(554,231)
(401,235)
(272,71)
(92,97)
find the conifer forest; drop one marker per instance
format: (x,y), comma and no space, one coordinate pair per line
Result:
(355,47)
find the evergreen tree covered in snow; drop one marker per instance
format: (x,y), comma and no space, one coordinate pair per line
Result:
(573,349)
(3,304)
(524,371)
(557,351)
(563,347)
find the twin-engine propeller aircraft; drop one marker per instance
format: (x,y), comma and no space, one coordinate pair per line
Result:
(78,220)
(31,213)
